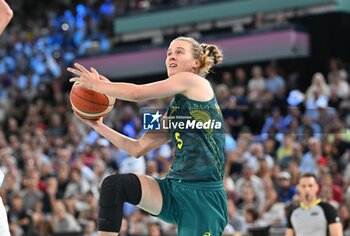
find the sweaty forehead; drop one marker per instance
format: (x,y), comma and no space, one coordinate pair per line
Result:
(179,44)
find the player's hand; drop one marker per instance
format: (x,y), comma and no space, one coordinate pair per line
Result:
(85,78)
(92,123)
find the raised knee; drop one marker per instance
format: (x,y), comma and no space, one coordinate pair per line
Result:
(111,191)
(120,188)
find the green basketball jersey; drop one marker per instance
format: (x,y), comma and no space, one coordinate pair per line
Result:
(197,130)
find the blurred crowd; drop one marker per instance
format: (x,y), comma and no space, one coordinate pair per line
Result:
(54,164)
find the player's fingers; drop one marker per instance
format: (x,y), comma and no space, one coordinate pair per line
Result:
(74,79)
(74,71)
(81,68)
(95,72)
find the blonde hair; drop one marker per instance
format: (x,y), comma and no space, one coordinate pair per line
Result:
(207,54)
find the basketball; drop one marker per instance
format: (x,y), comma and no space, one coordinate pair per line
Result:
(90,104)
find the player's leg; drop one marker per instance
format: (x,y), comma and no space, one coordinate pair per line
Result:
(205,210)
(116,189)
(151,200)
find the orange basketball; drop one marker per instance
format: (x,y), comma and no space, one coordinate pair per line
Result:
(90,104)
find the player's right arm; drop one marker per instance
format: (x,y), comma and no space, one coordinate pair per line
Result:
(134,147)
(6,15)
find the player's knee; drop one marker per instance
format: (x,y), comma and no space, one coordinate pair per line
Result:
(111,191)
(120,188)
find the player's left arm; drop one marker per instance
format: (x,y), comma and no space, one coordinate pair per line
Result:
(178,83)
(6,15)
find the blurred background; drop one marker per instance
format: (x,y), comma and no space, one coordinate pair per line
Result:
(283,89)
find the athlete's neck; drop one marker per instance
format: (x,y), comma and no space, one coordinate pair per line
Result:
(309,203)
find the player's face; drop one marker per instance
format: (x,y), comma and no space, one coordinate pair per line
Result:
(308,188)
(180,58)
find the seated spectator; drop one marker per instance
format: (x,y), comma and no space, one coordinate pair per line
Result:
(31,192)
(336,67)
(90,229)
(18,217)
(336,191)
(286,190)
(62,221)
(250,179)
(273,209)
(233,115)
(310,160)
(154,229)
(293,167)
(275,83)
(340,85)
(234,218)
(317,93)
(326,195)
(344,215)
(285,151)
(256,85)
(77,187)
(274,120)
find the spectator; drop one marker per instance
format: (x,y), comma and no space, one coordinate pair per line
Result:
(335,190)
(234,218)
(50,195)
(286,190)
(233,115)
(317,94)
(272,212)
(19,218)
(77,187)
(90,229)
(154,229)
(336,68)
(250,179)
(256,85)
(310,160)
(274,121)
(62,221)
(285,151)
(275,84)
(344,215)
(340,85)
(31,192)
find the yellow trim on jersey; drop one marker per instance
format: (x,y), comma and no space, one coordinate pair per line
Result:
(317,201)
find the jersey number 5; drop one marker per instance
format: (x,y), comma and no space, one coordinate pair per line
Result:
(179,141)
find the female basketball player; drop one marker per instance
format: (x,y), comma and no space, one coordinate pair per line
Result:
(192,194)
(6,15)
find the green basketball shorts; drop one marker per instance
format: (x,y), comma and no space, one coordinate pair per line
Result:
(198,208)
